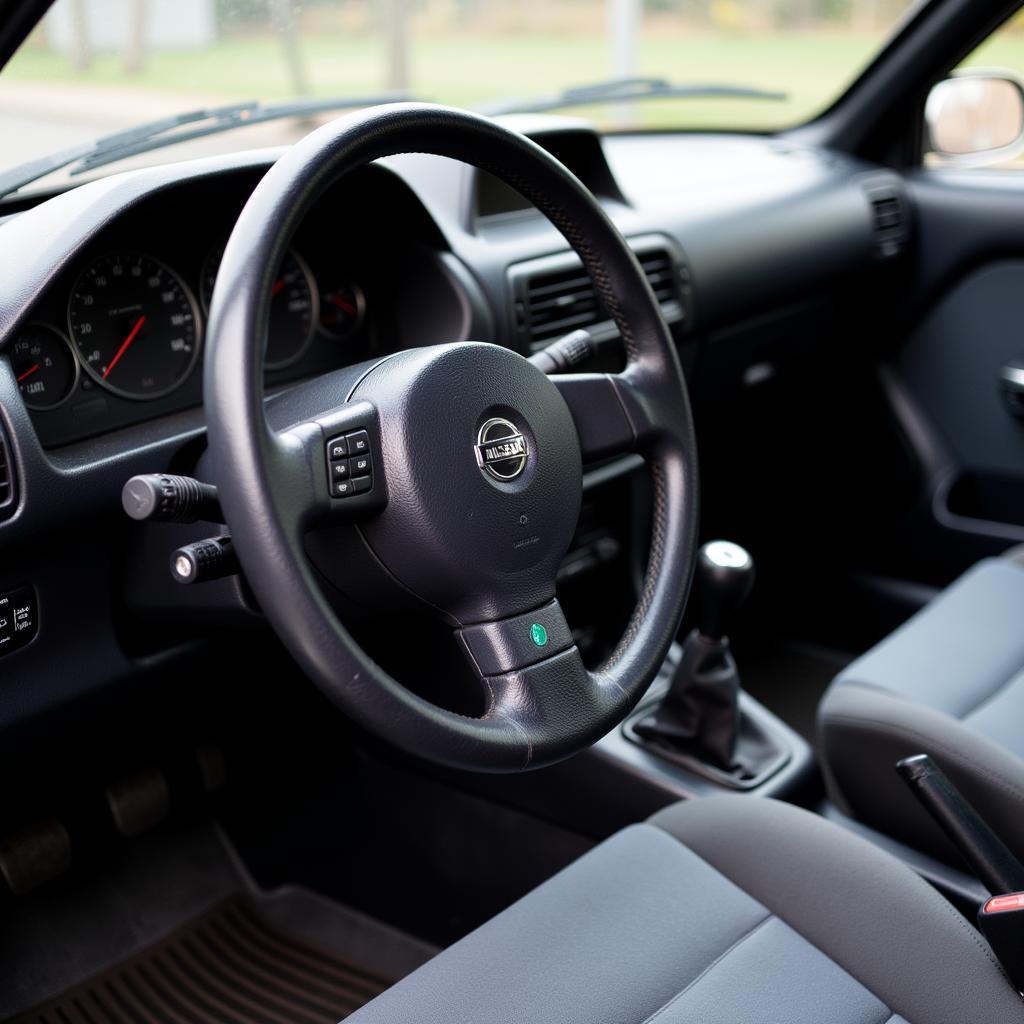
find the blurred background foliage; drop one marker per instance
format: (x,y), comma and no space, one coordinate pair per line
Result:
(468,52)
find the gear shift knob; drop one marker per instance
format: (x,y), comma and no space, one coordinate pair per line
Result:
(723,578)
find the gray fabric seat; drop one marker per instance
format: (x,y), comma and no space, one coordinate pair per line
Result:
(730,910)
(949,683)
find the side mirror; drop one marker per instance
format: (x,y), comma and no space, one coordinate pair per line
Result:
(976,117)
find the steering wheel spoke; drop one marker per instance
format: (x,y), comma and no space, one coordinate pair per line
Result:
(503,645)
(534,678)
(609,410)
(330,468)
(532,689)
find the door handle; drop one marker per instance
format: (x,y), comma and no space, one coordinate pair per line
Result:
(1011,382)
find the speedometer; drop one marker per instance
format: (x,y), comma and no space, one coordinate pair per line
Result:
(135,324)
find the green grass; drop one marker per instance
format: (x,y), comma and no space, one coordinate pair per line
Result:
(468,70)
(812,68)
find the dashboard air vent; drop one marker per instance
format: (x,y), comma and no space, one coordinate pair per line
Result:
(661,272)
(555,304)
(555,296)
(888,217)
(6,476)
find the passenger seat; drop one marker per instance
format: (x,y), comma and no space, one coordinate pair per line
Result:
(949,683)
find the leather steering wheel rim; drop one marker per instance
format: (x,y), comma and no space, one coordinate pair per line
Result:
(547,710)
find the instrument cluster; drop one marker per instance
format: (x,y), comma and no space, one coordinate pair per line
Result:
(117,338)
(134,327)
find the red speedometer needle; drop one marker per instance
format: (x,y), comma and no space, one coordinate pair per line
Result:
(28,372)
(277,286)
(124,346)
(346,307)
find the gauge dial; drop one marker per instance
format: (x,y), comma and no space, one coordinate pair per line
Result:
(208,276)
(135,324)
(293,307)
(45,366)
(342,309)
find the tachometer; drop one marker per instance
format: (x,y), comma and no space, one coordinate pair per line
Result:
(136,325)
(342,308)
(293,307)
(44,365)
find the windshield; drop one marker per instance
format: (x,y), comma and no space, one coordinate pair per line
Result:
(94,67)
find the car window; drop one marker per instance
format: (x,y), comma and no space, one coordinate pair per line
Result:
(96,66)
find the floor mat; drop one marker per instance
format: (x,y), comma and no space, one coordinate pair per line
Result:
(174,931)
(232,966)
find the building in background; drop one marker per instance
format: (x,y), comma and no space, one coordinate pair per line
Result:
(119,25)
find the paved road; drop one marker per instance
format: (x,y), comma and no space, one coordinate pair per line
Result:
(24,137)
(38,119)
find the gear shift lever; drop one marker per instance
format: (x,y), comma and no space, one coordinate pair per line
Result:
(723,578)
(699,715)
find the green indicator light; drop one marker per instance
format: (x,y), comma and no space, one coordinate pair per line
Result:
(538,634)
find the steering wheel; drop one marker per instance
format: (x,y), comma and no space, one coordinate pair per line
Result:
(462,471)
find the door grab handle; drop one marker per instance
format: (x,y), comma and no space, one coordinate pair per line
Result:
(1011,382)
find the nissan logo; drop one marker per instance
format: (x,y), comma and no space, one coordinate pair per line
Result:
(501,451)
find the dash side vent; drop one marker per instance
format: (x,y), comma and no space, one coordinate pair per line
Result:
(889,217)
(6,476)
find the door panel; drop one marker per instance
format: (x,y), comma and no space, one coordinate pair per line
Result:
(965,309)
(951,362)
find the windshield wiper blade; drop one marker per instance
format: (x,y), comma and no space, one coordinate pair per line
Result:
(24,174)
(168,131)
(627,90)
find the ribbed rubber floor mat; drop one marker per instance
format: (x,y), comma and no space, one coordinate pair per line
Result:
(230,966)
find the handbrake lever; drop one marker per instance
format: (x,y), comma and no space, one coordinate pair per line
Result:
(989,857)
(1000,918)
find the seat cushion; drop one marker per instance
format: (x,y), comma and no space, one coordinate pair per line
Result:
(731,910)
(949,683)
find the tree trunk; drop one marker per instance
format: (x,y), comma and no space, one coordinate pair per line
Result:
(284,23)
(81,52)
(135,41)
(623,26)
(396,30)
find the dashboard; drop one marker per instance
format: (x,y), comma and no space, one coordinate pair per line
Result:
(750,245)
(118,338)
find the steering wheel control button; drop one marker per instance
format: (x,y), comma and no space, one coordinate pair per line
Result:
(501,450)
(358,443)
(19,619)
(508,644)
(350,464)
